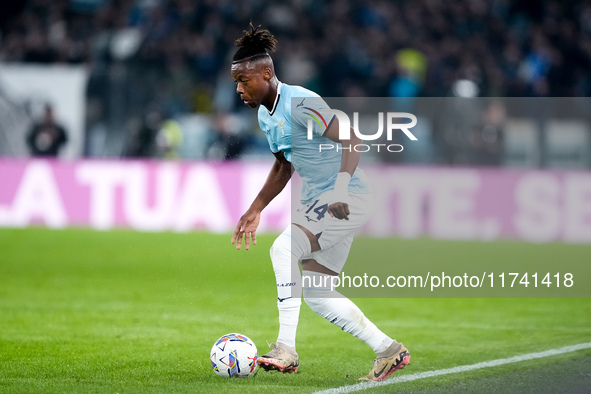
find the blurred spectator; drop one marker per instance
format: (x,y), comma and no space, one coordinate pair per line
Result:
(487,138)
(169,139)
(229,141)
(47,137)
(142,139)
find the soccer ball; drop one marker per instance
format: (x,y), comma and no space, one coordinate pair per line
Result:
(234,355)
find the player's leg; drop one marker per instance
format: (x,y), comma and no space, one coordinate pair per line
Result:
(336,242)
(335,307)
(286,252)
(342,312)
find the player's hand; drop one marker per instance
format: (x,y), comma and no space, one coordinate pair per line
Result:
(247,226)
(339,210)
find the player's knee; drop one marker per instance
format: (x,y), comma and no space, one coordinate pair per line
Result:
(300,244)
(281,248)
(290,245)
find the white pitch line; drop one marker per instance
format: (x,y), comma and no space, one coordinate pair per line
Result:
(463,368)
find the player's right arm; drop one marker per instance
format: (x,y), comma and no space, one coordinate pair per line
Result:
(350,159)
(278,178)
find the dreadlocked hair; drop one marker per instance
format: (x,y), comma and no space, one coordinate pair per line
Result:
(254,44)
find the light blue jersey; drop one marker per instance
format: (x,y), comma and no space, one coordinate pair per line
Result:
(286,129)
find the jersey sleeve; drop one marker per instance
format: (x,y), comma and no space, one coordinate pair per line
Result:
(310,111)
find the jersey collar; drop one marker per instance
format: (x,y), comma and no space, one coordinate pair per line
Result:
(272,111)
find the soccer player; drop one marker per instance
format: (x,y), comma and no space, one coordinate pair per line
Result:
(336,202)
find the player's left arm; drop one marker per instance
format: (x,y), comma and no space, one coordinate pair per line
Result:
(349,162)
(278,178)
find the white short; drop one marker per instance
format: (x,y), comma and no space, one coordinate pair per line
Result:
(335,236)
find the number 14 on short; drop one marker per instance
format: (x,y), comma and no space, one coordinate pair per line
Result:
(513,279)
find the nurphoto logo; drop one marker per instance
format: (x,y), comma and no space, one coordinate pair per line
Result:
(345,129)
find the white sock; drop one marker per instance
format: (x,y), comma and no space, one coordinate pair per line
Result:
(286,252)
(341,311)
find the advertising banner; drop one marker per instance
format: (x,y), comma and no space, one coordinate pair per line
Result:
(437,202)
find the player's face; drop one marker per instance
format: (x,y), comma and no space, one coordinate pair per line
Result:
(252,82)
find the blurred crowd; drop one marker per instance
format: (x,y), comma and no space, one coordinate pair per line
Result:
(340,47)
(177,52)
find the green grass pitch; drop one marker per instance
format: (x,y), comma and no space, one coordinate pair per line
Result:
(129,312)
